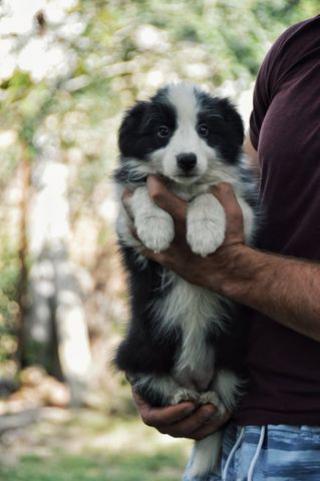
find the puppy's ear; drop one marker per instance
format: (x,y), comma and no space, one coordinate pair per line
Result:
(133,125)
(233,120)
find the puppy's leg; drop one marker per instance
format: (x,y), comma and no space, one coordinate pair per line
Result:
(248,219)
(154,226)
(225,391)
(206,224)
(123,226)
(206,455)
(229,387)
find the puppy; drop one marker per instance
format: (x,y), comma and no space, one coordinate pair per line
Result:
(181,343)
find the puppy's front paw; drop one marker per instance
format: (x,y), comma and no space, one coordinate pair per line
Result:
(156,233)
(206,225)
(204,236)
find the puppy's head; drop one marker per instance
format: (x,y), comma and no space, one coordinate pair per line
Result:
(182,133)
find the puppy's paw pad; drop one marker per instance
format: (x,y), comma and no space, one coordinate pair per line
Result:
(156,233)
(183,395)
(204,236)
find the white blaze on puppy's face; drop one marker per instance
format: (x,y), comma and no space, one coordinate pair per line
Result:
(185,140)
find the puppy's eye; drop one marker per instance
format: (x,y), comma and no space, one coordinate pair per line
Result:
(203,130)
(163,131)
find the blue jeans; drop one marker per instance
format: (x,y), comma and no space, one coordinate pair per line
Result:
(267,453)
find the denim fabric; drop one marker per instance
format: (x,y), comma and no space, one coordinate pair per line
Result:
(288,453)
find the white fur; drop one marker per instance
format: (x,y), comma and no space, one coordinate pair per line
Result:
(206,455)
(194,309)
(248,219)
(228,386)
(154,226)
(206,224)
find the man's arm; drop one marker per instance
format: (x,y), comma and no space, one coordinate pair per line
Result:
(252,156)
(279,282)
(285,289)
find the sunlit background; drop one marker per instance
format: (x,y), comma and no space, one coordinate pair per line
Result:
(68,70)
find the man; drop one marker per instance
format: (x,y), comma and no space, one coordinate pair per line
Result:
(275,433)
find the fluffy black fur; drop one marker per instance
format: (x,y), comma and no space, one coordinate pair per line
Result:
(143,350)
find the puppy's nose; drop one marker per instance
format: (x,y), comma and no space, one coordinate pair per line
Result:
(186,162)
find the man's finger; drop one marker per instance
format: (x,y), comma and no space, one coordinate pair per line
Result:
(210,427)
(162,258)
(192,423)
(166,199)
(159,417)
(225,194)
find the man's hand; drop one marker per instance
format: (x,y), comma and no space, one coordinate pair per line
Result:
(206,271)
(184,420)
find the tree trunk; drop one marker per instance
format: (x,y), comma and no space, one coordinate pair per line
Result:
(56,324)
(23,252)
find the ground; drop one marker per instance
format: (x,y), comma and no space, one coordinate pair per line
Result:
(84,445)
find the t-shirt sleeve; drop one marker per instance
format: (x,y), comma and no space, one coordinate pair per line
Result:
(272,70)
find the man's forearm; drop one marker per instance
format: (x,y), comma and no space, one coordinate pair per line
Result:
(285,289)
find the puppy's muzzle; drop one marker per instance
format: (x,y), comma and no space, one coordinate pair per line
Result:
(186,162)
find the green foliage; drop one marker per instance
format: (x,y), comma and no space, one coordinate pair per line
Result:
(9,309)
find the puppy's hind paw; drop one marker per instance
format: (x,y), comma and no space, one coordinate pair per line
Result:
(183,395)
(210,397)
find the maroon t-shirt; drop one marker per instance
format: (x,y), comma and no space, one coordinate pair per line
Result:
(284,366)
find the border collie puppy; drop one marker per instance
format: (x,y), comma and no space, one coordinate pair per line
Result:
(181,342)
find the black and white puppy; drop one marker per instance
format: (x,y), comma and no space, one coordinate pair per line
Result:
(181,342)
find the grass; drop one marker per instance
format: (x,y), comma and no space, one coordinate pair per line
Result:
(91,447)
(162,466)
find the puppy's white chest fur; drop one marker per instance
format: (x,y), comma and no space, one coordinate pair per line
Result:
(195,310)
